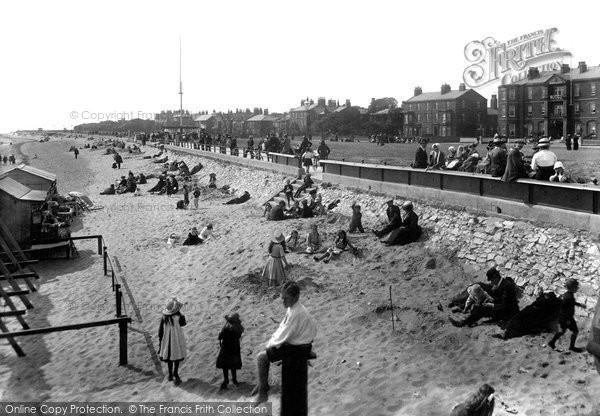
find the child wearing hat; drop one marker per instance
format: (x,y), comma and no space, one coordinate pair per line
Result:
(171,347)
(477,297)
(288,190)
(566,315)
(196,193)
(229,357)
(274,271)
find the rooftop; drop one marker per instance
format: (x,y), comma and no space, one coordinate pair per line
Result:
(20,191)
(34,171)
(437,96)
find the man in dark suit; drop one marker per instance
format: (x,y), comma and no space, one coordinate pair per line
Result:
(437,159)
(515,166)
(394,218)
(505,305)
(498,158)
(421,155)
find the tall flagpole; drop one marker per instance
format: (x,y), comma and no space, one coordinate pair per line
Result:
(180,93)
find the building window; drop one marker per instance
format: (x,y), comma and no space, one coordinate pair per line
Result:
(558,110)
(593,108)
(449,131)
(503,111)
(478,105)
(478,117)
(543,91)
(512,129)
(578,128)
(529,110)
(503,95)
(418,117)
(511,94)
(464,104)
(449,118)
(427,117)
(503,130)
(463,118)
(447,105)
(418,106)
(576,90)
(436,117)
(428,106)
(529,93)
(543,109)
(435,105)
(593,88)
(511,110)
(576,108)
(443,131)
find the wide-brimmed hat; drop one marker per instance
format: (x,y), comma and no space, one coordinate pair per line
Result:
(277,237)
(407,205)
(173,306)
(544,142)
(475,290)
(452,149)
(558,165)
(234,318)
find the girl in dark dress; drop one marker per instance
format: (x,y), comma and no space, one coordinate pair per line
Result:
(229,357)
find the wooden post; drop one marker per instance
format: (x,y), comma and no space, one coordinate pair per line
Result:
(99,245)
(105,255)
(392,308)
(118,296)
(123,343)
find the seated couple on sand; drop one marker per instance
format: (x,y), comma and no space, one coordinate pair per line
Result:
(194,238)
(402,228)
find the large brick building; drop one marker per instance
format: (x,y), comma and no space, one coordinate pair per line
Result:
(551,103)
(447,113)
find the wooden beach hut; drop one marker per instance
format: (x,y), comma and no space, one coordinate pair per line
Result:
(20,208)
(33,178)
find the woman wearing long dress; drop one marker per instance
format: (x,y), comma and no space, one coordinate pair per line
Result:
(274,271)
(172,348)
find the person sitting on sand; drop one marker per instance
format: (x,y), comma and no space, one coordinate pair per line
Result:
(172,186)
(481,403)
(192,238)
(230,358)
(356,221)
(305,210)
(212,180)
(171,347)
(160,186)
(409,230)
(141,179)
(341,244)
(318,208)
(307,183)
(292,241)
(313,240)
(505,304)
(294,336)
(268,208)
(276,213)
(477,298)
(394,218)
(295,211)
(566,315)
(206,233)
(122,183)
(109,191)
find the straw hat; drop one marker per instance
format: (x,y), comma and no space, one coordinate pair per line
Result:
(277,237)
(173,306)
(559,165)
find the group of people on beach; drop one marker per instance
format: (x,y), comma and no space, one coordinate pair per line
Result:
(8,159)
(507,164)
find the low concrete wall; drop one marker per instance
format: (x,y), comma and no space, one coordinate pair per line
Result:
(574,219)
(282,168)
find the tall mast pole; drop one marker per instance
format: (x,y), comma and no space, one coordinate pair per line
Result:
(180,93)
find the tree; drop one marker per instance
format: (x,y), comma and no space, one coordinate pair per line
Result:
(382,103)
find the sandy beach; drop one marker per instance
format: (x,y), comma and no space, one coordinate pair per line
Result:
(424,367)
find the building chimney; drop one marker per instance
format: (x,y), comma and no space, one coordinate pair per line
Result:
(418,91)
(565,69)
(582,67)
(266,112)
(301,103)
(494,102)
(446,89)
(321,102)
(311,102)
(462,87)
(348,105)
(533,73)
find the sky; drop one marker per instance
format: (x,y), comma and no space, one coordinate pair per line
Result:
(65,63)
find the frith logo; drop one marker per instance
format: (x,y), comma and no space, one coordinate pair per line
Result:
(505,63)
